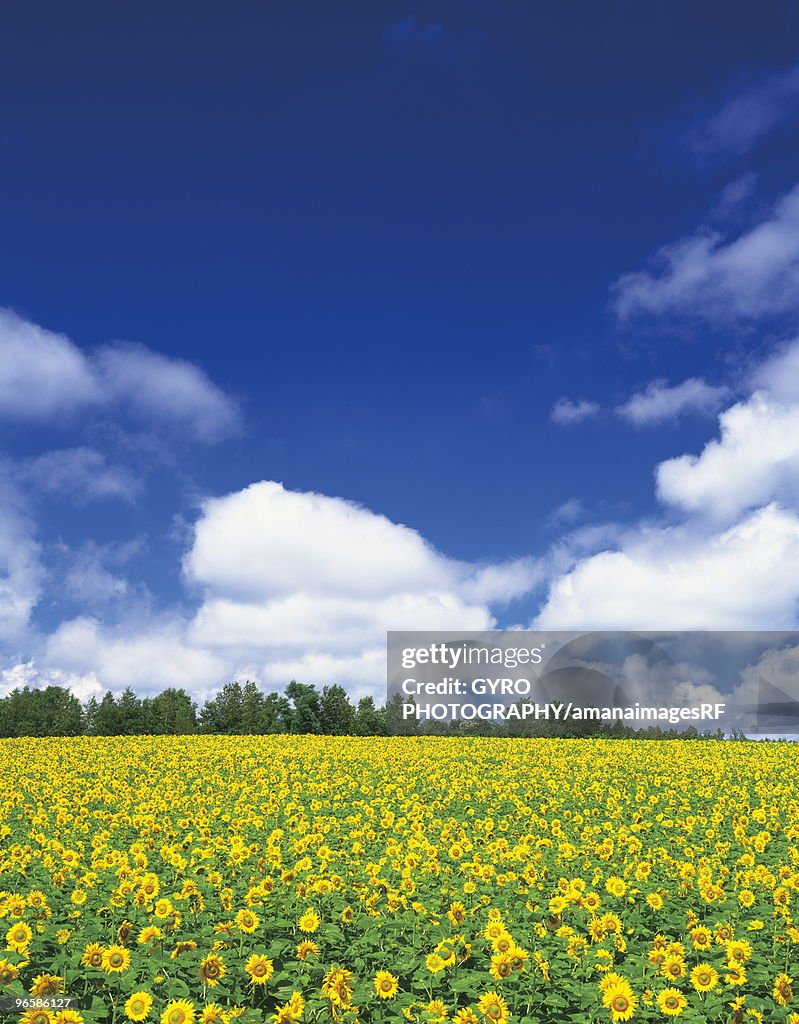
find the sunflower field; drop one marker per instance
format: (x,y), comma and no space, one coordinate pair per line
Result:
(288,879)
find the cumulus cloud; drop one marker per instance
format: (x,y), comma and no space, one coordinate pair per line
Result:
(748,117)
(289,576)
(149,657)
(718,280)
(30,674)
(755,460)
(44,375)
(678,578)
(660,401)
(565,411)
(289,585)
(728,562)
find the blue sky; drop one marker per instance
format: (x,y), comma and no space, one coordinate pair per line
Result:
(321,320)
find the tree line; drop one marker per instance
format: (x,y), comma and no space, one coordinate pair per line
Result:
(242,709)
(238,709)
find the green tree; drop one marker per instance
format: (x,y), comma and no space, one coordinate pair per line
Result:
(335,712)
(367,720)
(224,714)
(131,713)
(305,708)
(108,721)
(173,713)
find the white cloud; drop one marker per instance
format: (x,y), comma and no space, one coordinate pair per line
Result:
(567,512)
(726,556)
(148,658)
(721,281)
(27,673)
(565,411)
(677,578)
(291,585)
(21,573)
(754,461)
(290,576)
(161,389)
(779,373)
(747,118)
(43,376)
(735,198)
(660,402)
(265,542)
(81,474)
(89,581)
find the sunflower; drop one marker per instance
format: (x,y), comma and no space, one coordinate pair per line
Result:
(248,921)
(493,930)
(723,933)
(18,937)
(386,985)
(337,986)
(212,1013)
(260,969)
(518,957)
(8,972)
(138,1005)
(116,959)
(93,955)
(37,1016)
(501,966)
(704,977)
(620,1000)
(456,913)
(309,921)
(466,1016)
(738,951)
(613,980)
(557,905)
(149,934)
(347,915)
(186,946)
(307,948)
(67,1017)
(46,985)
(672,1002)
(673,966)
(735,975)
(782,990)
(163,908)
(211,969)
(494,1007)
(701,937)
(178,1011)
(596,929)
(434,963)
(446,952)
